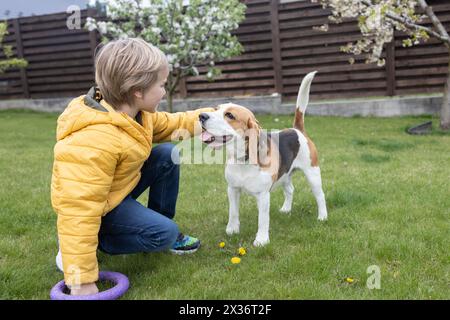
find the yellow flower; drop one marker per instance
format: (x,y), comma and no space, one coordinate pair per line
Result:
(242,251)
(235,260)
(222,245)
(349,280)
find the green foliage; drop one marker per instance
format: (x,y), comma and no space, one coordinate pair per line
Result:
(9,61)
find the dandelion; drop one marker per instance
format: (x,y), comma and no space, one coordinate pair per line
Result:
(222,245)
(242,251)
(235,260)
(349,280)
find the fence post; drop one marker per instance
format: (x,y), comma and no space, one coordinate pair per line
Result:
(276,47)
(19,50)
(390,67)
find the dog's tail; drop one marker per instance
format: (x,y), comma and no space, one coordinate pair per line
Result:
(302,101)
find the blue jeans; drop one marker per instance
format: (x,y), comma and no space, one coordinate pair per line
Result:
(131,227)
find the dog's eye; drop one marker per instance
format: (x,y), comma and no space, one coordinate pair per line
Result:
(229,116)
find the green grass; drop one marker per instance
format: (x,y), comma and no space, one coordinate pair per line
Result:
(388,197)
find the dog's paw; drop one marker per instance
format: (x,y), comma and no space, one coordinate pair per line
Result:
(322,217)
(285,210)
(261,241)
(232,229)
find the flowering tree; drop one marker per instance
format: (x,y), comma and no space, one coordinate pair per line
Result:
(191,33)
(9,62)
(378,19)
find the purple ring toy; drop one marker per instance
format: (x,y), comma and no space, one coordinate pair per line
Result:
(121,285)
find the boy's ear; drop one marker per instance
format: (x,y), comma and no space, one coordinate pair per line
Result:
(138,94)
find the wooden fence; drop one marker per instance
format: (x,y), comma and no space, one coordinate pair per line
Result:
(280,44)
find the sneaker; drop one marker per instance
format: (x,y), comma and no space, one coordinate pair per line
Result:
(185,244)
(59,263)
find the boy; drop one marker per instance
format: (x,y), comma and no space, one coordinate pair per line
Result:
(103,161)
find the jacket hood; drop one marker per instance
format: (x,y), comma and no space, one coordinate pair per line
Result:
(91,109)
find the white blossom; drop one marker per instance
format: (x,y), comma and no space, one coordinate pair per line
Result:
(376,24)
(196,34)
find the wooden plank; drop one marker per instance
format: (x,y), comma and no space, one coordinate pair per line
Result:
(343,95)
(253,2)
(301,14)
(337,86)
(304,23)
(257,47)
(428,50)
(255,20)
(311,51)
(60,64)
(255,37)
(298,5)
(276,48)
(422,72)
(421,62)
(328,69)
(19,48)
(10,74)
(59,94)
(340,77)
(60,71)
(323,40)
(338,30)
(243,66)
(57,48)
(52,33)
(229,93)
(267,55)
(61,87)
(59,56)
(417,90)
(423,81)
(251,10)
(62,79)
(323,59)
(252,29)
(231,84)
(57,40)
(50,25)
(234,76)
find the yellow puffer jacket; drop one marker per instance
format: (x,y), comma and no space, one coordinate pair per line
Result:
(97,161)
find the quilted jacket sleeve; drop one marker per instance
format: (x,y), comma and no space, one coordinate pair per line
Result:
(165,125)
(83,170)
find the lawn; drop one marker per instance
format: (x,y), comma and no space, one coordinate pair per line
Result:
(388,198)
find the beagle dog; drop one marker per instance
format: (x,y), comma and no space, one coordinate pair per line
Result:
(257,162)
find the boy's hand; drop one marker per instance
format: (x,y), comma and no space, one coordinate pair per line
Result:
(84,289)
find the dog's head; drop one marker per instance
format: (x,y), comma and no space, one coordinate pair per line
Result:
(230,122)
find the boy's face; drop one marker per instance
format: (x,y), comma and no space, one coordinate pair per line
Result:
(151,98)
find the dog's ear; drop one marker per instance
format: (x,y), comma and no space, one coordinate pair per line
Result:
(253,124)
(253,135)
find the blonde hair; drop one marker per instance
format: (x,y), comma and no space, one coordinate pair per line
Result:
(125,66)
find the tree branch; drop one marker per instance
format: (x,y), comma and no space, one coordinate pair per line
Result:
(443,37)
(435,20)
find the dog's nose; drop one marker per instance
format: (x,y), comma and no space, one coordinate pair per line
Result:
(203,117)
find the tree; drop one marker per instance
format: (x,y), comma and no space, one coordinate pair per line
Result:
(377,21)
(191,33)
(9,62)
